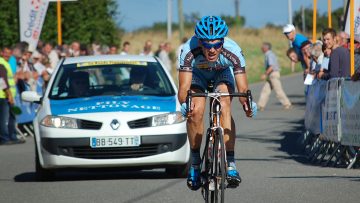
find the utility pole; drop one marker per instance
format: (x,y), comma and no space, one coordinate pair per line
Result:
(303,19)
(181,19)
(169,20)
(290,11)
(292,64)
(237,12)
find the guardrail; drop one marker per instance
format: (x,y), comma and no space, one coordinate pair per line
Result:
(332,121)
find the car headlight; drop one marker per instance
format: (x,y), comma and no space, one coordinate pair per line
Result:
(167,119)
(59,122)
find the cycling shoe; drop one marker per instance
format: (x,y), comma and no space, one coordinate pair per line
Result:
(193,179)
(233,178)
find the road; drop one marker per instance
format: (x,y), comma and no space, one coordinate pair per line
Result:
(272,167)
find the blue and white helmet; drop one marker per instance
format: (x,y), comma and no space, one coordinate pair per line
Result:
(210,28)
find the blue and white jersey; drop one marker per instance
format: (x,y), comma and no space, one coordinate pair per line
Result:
(192,57)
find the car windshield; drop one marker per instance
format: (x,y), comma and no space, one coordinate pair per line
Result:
(110,78)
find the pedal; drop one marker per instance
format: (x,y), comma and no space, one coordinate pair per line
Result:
(211,185)
(232,183)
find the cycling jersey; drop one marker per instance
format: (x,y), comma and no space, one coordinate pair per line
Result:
(231,61)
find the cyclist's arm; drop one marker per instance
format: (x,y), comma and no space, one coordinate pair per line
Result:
(242,85)
(185,78)
(185,72)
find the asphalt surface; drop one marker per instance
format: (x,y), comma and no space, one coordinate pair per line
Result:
(271,164)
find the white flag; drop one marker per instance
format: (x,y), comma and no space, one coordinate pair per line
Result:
(356,21)
(32,15)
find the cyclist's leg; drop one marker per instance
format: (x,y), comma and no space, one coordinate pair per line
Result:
(195,130)
(225,83)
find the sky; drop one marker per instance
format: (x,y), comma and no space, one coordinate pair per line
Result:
(134,14)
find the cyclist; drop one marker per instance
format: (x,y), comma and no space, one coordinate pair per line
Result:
(210,56)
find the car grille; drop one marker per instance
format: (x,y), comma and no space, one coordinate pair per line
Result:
(140,123)
(90,125)
(115,153)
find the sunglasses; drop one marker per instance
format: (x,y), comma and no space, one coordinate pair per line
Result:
(217,45)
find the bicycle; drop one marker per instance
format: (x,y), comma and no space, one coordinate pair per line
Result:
(213,161)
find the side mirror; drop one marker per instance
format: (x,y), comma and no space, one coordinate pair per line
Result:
(31,96)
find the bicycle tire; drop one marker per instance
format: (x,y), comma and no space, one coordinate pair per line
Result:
(222,166)
(215,170)
(206,173)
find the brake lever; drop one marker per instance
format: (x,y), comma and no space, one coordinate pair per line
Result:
(249,99)
(188,102)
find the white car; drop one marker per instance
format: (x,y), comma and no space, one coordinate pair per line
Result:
(109,111)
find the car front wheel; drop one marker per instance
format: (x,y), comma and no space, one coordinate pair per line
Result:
(42,174)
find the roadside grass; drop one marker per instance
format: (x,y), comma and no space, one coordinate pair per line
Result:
(250,41)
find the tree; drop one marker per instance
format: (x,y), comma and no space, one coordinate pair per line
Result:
(9,23)
(322,20)
(85,21)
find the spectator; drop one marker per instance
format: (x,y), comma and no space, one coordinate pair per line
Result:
(96,48)
(272,79)
(356,75)
(296,41)
(26,73)
(63,51)
(342,39)
(161,47)
(7,54)
(125,48)
(105,49)
(37,59)
(305,51)
(147,51)
(317,57)
(164,56)
(292,55)
(113,50)
(75,49)
(325,61)
(51,54)
(83,50)
(40,46)
(339,64)
(7,100)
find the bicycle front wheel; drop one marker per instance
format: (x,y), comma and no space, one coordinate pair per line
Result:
(218,168)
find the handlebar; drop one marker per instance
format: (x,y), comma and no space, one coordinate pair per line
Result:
(217,95)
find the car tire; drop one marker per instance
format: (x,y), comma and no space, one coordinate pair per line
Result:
(42,174)
(179,171)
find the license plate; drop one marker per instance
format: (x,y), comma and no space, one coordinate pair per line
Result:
(123,141)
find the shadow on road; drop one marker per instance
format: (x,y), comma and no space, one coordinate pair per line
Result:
(85,175)
(290,143)
(352,178)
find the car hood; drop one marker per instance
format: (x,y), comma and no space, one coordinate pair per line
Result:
(113,104)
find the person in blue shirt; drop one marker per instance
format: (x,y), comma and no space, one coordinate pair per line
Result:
(297,40)
(210,56)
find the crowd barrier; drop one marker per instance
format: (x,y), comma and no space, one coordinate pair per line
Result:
(332,121)
(24,120)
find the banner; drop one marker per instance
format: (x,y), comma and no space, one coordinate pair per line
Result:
(331,111)
(350,113)
(32,15)
(356,21)
(314,101)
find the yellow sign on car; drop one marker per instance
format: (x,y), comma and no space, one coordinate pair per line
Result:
(99,63)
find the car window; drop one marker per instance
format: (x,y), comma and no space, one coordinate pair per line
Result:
(97,79)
